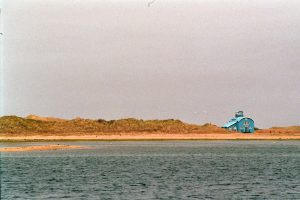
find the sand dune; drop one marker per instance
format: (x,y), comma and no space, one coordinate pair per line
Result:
(35,128)
(47,119)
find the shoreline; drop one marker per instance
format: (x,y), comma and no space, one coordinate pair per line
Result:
(150,137)
(40,148)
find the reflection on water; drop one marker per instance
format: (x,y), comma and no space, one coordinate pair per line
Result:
(155,170)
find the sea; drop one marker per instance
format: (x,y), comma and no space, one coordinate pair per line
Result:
(154,170)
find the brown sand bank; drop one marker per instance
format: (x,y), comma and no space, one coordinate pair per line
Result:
(35,128)
(39,148)
(155,136)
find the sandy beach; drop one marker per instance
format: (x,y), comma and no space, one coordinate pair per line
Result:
(39,148)
(156,136)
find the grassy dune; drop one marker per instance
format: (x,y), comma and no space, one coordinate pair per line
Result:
(290,130)
(13,125)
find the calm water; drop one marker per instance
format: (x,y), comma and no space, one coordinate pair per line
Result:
(155,170)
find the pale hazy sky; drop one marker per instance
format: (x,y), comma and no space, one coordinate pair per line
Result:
(196,60)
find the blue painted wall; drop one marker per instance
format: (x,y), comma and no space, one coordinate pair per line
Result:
(245,125)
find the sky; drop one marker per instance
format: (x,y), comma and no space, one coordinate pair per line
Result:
(195,60)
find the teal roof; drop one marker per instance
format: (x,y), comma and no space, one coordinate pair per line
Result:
(232,122)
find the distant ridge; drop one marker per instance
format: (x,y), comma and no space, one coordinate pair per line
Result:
(52,125)
(49,119)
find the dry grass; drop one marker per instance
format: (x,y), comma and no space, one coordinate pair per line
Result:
(14,125)
(290,130)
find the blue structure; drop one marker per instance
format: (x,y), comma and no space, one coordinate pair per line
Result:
(240,123)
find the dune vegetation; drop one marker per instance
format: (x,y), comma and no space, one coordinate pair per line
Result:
(290,130)
(41,125)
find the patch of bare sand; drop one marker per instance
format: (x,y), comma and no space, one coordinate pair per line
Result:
(156,136)
(39,148)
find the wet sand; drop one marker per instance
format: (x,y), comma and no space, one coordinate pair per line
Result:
(155,136)
(39,148)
